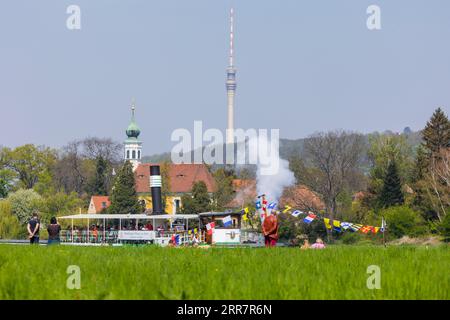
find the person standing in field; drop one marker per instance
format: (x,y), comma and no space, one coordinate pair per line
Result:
(33,229)
(270,230)
(53,230)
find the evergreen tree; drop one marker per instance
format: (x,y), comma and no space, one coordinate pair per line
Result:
(224,192)
(165,176)
(391,193)
(436,137)
(436,134)
(199,201)
(98,184)
(3,189)
(421,164)
(124,197)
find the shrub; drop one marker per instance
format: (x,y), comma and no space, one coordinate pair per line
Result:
(24,203)
(10,227)
(350,238)
(402,220)
(444,227)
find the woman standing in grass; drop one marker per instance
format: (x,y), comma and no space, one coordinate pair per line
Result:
(53,232)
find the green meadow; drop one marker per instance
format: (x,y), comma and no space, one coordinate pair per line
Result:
(149,272)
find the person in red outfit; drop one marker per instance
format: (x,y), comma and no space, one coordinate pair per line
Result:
(270,230)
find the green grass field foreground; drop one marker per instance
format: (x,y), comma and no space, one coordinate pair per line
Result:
(340,272)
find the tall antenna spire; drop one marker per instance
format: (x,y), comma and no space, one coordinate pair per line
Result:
(231,36)
(231,84)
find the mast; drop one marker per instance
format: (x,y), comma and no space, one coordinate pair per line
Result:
(231,84)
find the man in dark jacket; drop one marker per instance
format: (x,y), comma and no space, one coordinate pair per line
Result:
(33,229)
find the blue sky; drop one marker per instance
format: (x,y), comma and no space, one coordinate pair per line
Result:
(303,66)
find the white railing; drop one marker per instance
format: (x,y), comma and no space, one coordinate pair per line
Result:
(160,237)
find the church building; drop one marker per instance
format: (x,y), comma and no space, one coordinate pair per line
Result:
(181,177)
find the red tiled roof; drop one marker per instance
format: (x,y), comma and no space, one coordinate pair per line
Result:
(98,203)
(299,196)
(182,177)
(359,196)
(302,198)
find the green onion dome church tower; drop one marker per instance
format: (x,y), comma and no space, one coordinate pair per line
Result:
(133,147)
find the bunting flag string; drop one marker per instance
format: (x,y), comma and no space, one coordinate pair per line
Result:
(330,224)
(272,205)
(296,213)
(286,209)
(336,225)
(309,218)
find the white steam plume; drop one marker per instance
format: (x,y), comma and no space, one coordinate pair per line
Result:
(273,174)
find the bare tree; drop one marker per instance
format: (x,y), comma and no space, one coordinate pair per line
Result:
(76,163)
(438,182)
(70,172)
(106,148)
(301,197)
(336,155)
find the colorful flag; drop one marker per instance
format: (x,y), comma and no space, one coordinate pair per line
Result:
(383,225)
(365,229)
(296,213)
(244,217)
(246,210)
(375,230)
(195,230)
(190,232)
(309,218)
(264,204)
(355,227)
(346,225)
(286,208)
(177,239)
(210,227)
(327,223)
(337,225)
(258,205)
(272,205)
(227,221)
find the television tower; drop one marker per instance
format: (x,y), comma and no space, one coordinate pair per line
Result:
(231,83)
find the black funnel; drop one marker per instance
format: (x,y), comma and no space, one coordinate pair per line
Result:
(155,186)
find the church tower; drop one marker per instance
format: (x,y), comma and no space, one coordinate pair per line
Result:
(133,147)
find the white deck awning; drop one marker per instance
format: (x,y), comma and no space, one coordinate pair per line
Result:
(130,216)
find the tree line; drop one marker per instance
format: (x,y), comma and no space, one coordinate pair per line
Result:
(359,179)
(362,180)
